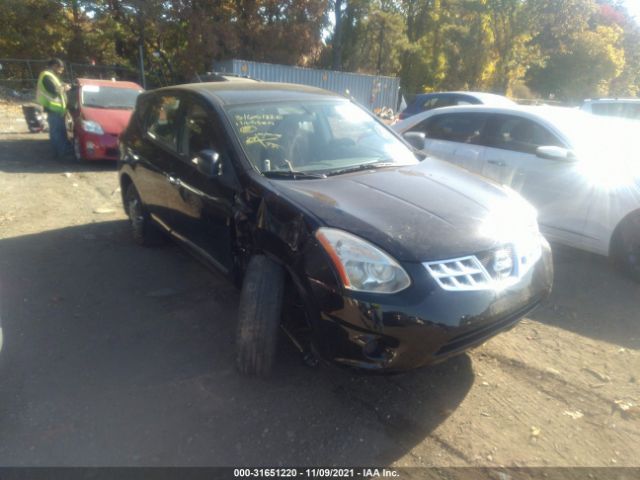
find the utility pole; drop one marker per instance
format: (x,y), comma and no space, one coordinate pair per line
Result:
(143,80)
(337,36)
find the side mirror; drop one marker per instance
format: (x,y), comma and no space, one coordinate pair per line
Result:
(555,153)
(416,139)
(208,163)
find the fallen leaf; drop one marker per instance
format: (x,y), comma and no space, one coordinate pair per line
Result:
(104,210)
(600,376)
(575,414)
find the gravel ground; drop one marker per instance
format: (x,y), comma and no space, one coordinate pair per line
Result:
(119,355)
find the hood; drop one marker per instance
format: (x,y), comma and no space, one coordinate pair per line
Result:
(111,121)
(429,211)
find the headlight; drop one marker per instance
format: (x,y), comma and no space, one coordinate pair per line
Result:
(92,127)
(361,266)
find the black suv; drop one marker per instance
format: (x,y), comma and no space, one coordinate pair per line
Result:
(363,255)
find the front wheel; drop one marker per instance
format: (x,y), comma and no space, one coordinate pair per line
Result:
(625,247)
(143,230)
(259,316)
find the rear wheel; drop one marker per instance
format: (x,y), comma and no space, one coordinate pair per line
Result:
(259,316)
(143,230)
(625,247)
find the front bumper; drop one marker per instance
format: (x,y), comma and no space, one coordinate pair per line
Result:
(99,147)
(424,324)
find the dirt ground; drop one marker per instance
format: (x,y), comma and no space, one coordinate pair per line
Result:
(119,355)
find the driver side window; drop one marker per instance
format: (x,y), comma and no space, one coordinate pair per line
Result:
(198,132)
(510,132)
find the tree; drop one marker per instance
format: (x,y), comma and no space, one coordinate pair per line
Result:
(590,62)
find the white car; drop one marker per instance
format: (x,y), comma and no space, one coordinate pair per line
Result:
(581,171)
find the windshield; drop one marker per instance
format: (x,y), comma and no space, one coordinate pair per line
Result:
(316,137)
(109,97)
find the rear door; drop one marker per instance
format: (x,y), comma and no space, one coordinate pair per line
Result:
(454,137)
(552,186)
(157,153)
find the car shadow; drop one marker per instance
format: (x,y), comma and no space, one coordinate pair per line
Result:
(591,298)
(31,153)
(120,355)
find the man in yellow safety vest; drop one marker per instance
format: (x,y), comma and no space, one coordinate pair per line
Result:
(51,94)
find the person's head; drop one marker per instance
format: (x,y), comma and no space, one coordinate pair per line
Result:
(56,65)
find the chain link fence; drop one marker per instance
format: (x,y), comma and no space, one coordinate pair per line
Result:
(19,77)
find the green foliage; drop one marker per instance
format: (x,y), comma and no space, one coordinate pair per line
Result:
(566,49)
(33,28)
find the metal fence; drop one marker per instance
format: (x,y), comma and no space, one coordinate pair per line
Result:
(371,91)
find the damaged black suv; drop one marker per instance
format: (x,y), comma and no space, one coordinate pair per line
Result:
(363,255)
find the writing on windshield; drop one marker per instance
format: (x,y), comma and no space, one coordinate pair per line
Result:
(314,137)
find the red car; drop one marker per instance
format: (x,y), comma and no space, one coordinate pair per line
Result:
(98,112)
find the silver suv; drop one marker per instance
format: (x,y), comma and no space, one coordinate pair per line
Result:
(614,107)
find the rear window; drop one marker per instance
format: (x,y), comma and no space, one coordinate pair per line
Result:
(453,127)
(163,122)
(617,109)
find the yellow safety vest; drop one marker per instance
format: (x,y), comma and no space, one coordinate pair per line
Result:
(57,103)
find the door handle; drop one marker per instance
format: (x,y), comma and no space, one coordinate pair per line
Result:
(496,162)
(173,180)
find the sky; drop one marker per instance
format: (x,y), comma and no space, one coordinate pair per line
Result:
(633,6)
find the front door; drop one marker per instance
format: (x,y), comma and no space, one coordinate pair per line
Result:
(204,211)
(552,186)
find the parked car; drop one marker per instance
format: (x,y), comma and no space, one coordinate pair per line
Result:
(429,101)
(580,171)
(337,233)
(614,107)
(220,77)
(98,112)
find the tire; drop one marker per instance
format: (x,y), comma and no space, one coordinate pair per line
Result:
(143,231)
(625,246)
(259,316)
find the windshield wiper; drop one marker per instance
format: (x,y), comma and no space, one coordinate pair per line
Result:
(363,166)
(295,175)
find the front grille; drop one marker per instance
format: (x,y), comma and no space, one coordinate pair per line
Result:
(492,269)
(487,260)
(465,273)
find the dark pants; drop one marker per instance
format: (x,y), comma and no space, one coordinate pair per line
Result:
(58,135)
